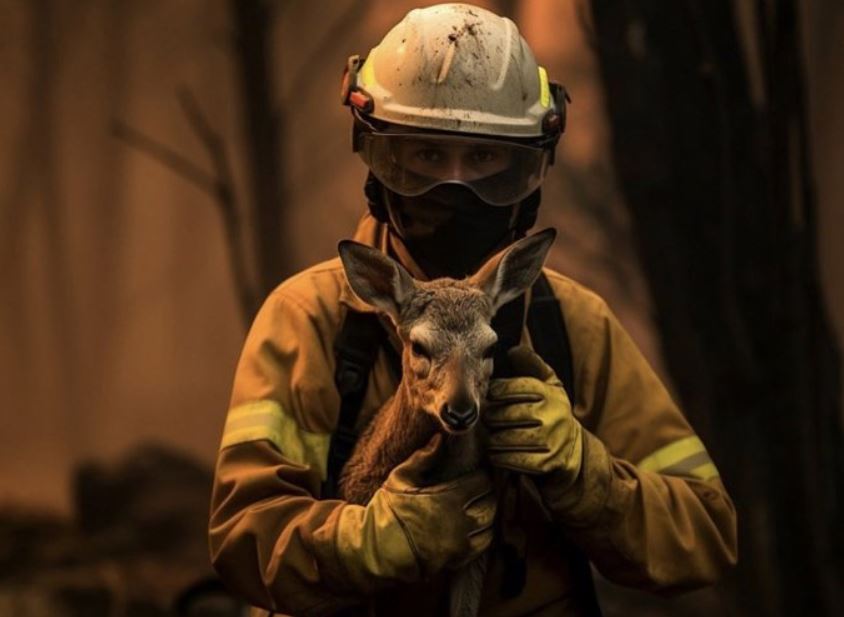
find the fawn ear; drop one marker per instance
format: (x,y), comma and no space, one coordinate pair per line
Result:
(510,273)
(376,278)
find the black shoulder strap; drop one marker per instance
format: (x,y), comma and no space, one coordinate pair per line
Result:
(550,338)
(547,328)
(548,333)
(507,324)
(355,350)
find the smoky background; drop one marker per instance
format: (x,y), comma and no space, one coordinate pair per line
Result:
(163,165)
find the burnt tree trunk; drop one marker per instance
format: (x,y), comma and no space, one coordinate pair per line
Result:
(720,194)
(263,126)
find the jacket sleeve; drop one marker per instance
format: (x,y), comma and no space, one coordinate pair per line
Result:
(649,508)
(265,521)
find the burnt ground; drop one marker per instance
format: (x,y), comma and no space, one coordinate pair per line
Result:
(135,543)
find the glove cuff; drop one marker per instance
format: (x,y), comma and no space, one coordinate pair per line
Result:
(364,549)
(579,503)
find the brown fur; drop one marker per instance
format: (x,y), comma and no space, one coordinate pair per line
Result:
(444,326)
(453,317)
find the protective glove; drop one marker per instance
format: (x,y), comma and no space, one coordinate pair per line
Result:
(530,423)
(408,531)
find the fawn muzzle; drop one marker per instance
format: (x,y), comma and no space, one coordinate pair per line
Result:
(459,418)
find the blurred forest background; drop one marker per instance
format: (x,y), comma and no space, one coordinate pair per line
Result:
(164,164)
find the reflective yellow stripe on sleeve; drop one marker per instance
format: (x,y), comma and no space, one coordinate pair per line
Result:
(684,457)
(266,419)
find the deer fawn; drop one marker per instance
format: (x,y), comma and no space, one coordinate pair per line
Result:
(448,343)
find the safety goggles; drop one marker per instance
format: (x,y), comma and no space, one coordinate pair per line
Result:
(499,172)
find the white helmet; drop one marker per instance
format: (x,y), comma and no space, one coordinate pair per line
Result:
(462,73)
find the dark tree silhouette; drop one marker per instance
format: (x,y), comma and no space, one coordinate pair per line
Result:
(720,193)
(260,242)
(263,127)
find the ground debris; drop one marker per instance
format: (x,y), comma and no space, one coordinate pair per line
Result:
(136,541)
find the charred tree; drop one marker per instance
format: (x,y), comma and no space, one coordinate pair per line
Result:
(720,192)
(262,125)
(260,243)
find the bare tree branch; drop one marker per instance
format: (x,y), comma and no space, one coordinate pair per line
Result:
(219,186)
(226,200)
(165,155)
(214,146)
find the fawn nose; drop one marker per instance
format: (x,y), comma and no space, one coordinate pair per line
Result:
(459,417)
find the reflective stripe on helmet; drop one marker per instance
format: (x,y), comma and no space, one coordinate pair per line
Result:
(367,74)
(266,419)
(544,88)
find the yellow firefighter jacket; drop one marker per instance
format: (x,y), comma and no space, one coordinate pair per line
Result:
(649,511)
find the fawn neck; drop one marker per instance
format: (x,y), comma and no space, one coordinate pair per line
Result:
(396,431)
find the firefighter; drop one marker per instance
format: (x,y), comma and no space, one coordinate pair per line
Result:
(457,124)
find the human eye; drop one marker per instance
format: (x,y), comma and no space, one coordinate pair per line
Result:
(484,160)
(429,155)
(483,155)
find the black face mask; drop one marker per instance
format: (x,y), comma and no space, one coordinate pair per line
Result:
(449,230)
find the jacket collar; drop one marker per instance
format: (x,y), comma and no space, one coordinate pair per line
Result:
(371,233)
(374,233)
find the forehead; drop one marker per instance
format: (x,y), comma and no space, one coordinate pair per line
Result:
(451,306)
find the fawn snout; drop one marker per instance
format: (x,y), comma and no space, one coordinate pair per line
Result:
(463,378)
(459,419)
(460,413)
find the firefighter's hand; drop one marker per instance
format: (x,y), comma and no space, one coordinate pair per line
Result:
(409,531)
(531,426)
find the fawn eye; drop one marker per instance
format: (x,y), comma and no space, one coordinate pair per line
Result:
(418,349)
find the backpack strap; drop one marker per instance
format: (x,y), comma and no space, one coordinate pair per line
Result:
(548,333)
(547,328)
(355,350)
(550,339)
(507,324)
